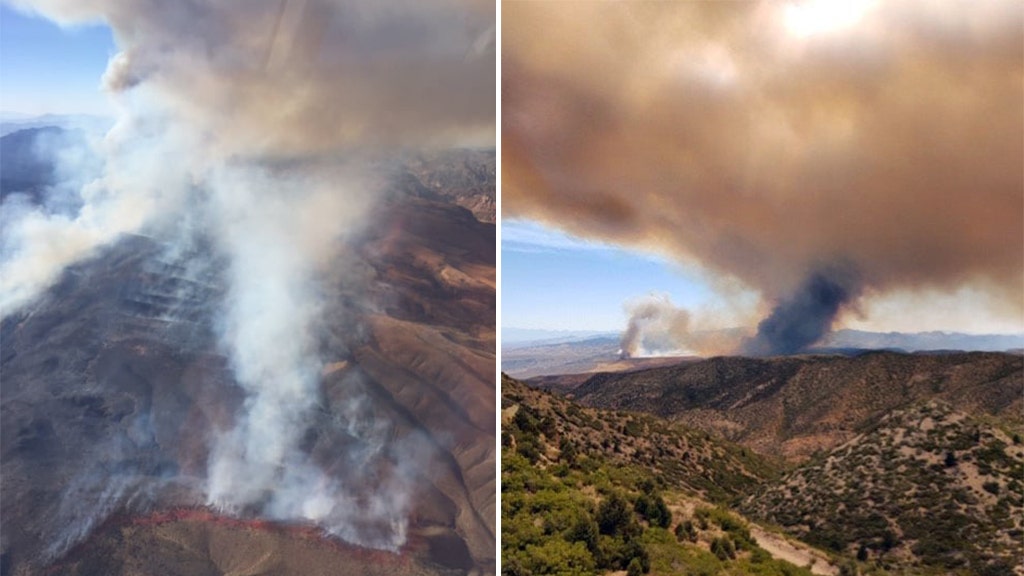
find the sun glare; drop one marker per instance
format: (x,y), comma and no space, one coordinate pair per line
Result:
(815,17)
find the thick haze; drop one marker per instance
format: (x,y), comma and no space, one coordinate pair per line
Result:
(775,143)
(252,125)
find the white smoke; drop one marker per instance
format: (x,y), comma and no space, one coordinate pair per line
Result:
(657,327)
(135,183)
(207,82)
(278,227)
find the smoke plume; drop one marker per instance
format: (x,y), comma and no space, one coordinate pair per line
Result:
(804,317)
(655,325)
(772,142)
(250,124)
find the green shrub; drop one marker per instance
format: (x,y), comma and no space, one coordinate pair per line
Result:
(652,507)
(567,452)
(556,556)
(525,420)
(950,460)
(686,530)
(585,531)
(634,428)
(723,548)
(702,514)
(530,447)
(613,515)
(760,556)
(634,551)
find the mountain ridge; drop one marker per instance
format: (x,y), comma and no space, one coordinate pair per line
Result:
(793,406)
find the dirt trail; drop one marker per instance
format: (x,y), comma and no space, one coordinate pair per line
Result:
(783,549)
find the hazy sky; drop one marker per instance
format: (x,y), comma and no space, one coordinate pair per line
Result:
(877,145)
(554,281)
(48,69)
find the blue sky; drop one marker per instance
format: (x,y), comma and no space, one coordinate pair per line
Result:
(45,68)
(553,281)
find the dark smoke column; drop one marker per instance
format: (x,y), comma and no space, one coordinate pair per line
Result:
(806,316)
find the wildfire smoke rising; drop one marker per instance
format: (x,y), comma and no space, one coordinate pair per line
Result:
(248,124)
(658,327)
(805,316)
(654,318)
(774,143)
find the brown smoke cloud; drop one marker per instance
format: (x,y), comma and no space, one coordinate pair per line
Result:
(738,136)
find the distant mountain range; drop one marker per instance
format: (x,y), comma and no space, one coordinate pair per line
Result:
(918,341)
(527,353)
(12,122)
(532,336)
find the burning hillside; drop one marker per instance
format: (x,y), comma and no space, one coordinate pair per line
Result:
(254,217)
(116,393)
